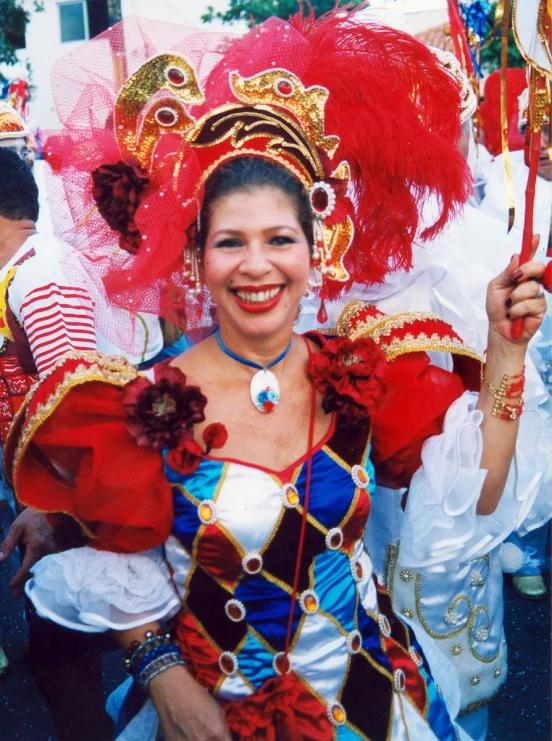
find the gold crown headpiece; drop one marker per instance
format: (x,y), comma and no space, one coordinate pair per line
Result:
(274,117)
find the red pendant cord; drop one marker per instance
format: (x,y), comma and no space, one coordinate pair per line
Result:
(305,512)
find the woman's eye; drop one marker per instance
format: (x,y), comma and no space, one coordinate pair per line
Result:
(228,242)
(281,240)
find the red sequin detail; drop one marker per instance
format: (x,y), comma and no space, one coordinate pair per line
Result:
(227,664)
(281,664)
(356,643)
(336,540)
(284,87)
(176,76)
(319,200)
(253,565)
(234,611)
(166,117)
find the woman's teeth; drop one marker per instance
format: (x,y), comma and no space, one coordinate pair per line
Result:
(258,297)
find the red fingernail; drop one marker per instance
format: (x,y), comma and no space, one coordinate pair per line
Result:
(517,274)
(508,303)
(507,315)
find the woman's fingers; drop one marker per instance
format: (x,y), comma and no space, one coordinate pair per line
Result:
(532,270)
(528,290)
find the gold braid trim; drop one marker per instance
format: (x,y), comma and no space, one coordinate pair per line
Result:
(381,329)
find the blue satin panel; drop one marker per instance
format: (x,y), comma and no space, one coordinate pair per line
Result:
(336,592)
(255,662)
(371,641)
(186,520)
(346,734)
(330,492)
(267,606)
(369,467)
(202,483)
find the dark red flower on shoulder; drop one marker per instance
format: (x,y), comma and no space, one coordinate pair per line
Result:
(118,190)
(162,414)
(186,458)
(347,372)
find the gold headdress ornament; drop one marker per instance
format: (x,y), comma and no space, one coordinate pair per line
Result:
(277,118)
(12,125)
(144,110)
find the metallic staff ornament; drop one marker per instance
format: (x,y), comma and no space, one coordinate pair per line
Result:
(532,28)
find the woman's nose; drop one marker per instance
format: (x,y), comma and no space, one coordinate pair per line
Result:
(255,260)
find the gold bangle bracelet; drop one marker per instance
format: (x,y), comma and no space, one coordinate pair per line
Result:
(510,389)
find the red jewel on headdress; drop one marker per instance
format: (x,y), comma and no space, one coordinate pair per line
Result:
(176,76)
(283,88)
(165,117)
(322,199)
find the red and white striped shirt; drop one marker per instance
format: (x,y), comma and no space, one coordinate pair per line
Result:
(56,319)
(55,316)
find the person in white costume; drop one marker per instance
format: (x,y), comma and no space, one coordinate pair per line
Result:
(525,557)
(455,599)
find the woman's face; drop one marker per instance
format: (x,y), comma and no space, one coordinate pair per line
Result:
(257,261)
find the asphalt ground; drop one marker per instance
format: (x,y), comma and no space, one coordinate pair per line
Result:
(521,713)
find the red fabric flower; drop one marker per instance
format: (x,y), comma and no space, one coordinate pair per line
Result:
(346,372)
(281,709)
(186,458)
(214,436)
(118,190)
(162,414)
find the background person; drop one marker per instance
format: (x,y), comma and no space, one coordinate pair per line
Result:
(42,317)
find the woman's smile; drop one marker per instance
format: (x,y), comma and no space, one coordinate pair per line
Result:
(258,298)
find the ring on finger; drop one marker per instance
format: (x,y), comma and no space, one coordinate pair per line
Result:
(540,292)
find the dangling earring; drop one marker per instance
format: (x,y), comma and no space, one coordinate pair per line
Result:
(322,200)
(190,272)
(315,280)
(191,257)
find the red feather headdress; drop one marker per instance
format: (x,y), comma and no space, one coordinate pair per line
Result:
(363,115)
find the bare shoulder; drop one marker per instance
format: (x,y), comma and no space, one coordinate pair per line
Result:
(196,360)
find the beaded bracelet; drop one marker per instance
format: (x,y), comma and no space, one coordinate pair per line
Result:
(172,656)
(138,649)
(510,389)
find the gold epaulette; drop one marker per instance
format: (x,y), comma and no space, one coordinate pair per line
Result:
(413,331)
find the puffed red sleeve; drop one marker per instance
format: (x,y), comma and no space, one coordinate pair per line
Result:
(416,394)
(411,409)
(69,453)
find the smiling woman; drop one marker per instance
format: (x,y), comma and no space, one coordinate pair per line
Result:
(256,250)
(262,507)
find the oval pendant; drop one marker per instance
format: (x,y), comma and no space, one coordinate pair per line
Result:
(265,391)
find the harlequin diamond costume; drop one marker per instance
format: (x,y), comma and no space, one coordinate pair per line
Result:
(270,586)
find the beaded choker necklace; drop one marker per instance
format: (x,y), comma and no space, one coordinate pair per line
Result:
(264,388)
